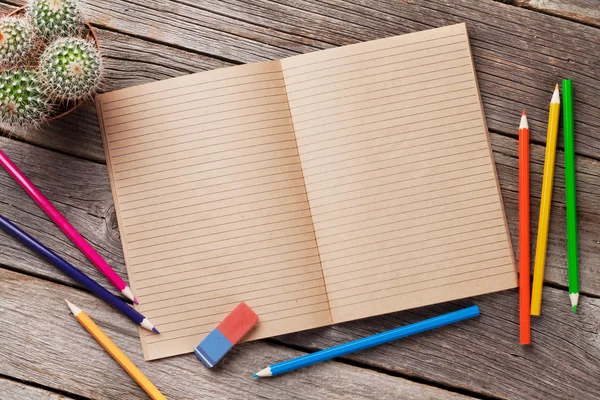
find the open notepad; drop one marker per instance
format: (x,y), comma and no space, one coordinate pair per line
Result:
(321,188)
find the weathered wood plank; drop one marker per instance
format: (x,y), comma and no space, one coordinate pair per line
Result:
(73,362)
(584,11)
(128,61)
(518,59)
(81,190)
(19,391)
(484,355)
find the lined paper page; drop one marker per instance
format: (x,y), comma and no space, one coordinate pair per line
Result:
(399,174)
(212,205)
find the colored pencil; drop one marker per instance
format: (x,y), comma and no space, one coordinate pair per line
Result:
(115,352)
(524,259)
(367,342)
(568,124)
(546,199)
(76,274)
(65,226)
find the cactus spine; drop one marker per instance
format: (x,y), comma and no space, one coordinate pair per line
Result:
(22,99)
(55,18)
(16,40)
(70,69)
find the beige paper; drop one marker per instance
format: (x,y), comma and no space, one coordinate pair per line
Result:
(323,188)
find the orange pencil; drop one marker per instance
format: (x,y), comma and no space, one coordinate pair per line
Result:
(524,256)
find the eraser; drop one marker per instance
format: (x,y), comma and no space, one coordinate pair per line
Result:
(230,331)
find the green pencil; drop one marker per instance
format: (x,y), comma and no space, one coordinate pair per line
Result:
(572,265)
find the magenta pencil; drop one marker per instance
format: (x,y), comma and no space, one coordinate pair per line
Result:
(65,226)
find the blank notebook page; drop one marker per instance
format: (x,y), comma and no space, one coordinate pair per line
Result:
(212,205)
(399,174)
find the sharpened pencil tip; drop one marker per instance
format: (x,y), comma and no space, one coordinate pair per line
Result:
(524,113)
(135,300)
(255,376)
(575,308)
(155,331)
(556,88)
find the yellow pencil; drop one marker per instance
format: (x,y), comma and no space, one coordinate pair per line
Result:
(116,353)
(542,233)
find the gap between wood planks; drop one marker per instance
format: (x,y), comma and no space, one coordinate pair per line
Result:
(412,378)
(60,393)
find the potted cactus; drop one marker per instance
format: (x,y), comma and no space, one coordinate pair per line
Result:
(49,63)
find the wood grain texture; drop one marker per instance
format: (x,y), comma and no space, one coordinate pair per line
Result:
(483,355)
(517,56)
(19,391)
(128,61)
(57,352)
(584,11)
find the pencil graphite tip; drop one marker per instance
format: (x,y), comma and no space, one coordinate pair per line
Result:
(556,87)
(255,376)
(575,308)
(135,300)
(155,330)
(524,113)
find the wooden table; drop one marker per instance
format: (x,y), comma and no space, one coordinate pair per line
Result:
(521,50)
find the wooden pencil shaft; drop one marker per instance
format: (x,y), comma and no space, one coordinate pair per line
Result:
(119,356)
(546,199)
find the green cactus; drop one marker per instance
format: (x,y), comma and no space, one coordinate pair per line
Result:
(16,40)
(70,69)
(22,99)
(55,18)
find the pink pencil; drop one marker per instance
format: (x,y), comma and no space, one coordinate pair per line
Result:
(65,226)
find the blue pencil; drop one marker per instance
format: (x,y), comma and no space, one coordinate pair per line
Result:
(76,274)
(367,342)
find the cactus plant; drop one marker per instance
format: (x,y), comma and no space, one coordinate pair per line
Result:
(55,18)
(70,69)
(16,40)
(22,100)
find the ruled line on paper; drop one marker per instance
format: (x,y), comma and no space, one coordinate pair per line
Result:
(191,117)
(137,141)
(292,178)
(198,142)
(195,139)
(196,181)
(396,109)
(188,221)
(289,85)
(187,231)
(189,314)
(405,260)
(198,274)
(421,289)
(152,338)
(297,99)
(292,67)
(210,97)
(346,110)
(181,109)
(301,224)
(387,87)
(173,88)
(361,280)
(151,312)
(252,302)
(387,239)
(383,249)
